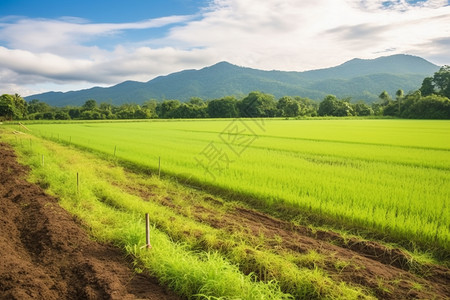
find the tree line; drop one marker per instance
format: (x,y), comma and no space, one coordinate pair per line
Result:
(431,101)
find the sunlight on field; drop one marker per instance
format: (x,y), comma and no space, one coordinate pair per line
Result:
(387,176)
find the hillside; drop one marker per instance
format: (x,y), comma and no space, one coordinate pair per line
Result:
(357,78)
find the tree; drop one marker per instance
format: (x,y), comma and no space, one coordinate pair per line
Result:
(151,106)
(344,109)
(385,98)
(399,95)
(427,87)
(168,107)
(196,101)
(12,107)
(7,109)
(362,109)
(90,105)
(328,106)
(20,105)
(332,106)
(62,115)
(308,107)
(74,113)
(223,108)
(36,106)
(257,104)
(441,81)
(415,106)
(288,107)
(439,84)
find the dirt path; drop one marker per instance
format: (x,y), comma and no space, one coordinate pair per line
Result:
(45,254)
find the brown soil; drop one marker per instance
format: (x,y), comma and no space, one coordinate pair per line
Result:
(45,253)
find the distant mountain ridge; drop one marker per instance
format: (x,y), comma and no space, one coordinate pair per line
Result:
(358,78)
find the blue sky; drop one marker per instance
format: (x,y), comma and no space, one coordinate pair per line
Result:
(70,45)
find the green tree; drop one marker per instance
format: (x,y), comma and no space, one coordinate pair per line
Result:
(168,107)
(12,107)
(196,101)
(427,87)
(151,105)
(288,107)
(415,106)
(441,81)
(328,106)
(36,106)
(308,107)
(332,106)
(7,109)
(257,104)
(223,108)
(74,112)
(62,115)
(90,105)
(362,109)
(385,98)
(439,84)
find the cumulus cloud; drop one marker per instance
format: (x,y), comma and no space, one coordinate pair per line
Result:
(271,34)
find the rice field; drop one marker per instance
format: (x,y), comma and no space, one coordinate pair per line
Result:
(389,177)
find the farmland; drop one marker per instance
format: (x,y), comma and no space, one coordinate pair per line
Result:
(383,179)
(385,176)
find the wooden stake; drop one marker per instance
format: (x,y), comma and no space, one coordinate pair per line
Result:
(147,231)
(159,167)
(24,126)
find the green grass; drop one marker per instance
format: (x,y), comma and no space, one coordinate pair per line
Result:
(194,274)
(389,177)
(211,265)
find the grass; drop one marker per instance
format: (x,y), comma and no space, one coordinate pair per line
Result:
(388,177)
(192,258)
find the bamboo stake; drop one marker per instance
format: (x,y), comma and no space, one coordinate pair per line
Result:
(147,231)
(159,167)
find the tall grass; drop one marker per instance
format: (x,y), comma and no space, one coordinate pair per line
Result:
(190,257)
(387,176)
(193,274)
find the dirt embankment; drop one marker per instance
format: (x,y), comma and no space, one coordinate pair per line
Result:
(45,254)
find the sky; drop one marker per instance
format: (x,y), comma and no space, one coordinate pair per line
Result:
(54,45)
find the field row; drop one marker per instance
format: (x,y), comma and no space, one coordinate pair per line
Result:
(386,176)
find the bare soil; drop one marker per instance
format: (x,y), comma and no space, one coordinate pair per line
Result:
(46,254)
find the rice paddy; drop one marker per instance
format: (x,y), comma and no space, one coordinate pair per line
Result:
(388,177)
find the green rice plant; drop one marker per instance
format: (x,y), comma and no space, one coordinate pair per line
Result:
(191,274)
(389,177)
(113,215)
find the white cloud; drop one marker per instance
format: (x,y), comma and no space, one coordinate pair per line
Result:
(294,35)
(270,34)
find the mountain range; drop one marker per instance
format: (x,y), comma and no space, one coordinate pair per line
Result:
(359,79)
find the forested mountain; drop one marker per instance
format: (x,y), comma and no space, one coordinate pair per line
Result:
(357,78)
